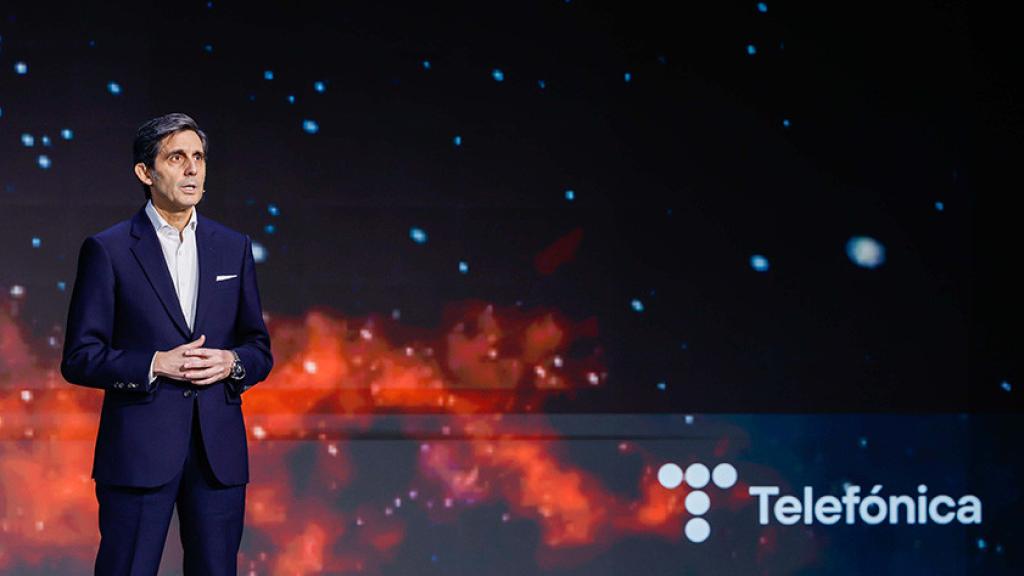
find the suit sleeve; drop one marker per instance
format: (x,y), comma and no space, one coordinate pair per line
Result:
(89,359)
(250,331)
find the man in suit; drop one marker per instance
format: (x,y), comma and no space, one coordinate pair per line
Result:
(165,317)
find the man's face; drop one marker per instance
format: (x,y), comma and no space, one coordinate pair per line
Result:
(179,172)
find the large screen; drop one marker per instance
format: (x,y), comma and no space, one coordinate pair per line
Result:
(553,287)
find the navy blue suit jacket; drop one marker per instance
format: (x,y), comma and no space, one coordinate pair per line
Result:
(123,309)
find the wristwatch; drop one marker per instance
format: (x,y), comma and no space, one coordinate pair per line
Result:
(237,370)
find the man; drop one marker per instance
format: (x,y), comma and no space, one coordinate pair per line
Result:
(165,317)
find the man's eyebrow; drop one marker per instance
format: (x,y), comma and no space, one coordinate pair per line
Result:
(180,151)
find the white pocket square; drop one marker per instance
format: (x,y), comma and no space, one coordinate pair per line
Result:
(226,277)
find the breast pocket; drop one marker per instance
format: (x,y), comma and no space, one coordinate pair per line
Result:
(227,282)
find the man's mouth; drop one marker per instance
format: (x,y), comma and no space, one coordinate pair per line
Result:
(189,187)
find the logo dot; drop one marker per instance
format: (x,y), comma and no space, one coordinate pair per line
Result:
(697,502)
(724,475)
(670,476)
(697,530)
(697,475)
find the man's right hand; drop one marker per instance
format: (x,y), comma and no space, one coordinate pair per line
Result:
(168,364)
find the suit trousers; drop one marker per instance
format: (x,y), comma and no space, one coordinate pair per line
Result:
(134,521)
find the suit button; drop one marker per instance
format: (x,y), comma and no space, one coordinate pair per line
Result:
(187,393)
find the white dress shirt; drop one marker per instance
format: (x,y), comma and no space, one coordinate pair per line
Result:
(182,262)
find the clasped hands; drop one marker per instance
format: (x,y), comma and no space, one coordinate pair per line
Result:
(192,363)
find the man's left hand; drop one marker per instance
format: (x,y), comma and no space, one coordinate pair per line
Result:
(204,366)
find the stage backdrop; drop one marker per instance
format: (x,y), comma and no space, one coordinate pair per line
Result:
(553,287)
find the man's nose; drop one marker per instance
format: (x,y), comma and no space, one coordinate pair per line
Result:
(191,167)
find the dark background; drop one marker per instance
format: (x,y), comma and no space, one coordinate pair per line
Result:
(680,176)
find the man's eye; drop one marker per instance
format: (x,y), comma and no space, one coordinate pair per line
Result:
(175,157)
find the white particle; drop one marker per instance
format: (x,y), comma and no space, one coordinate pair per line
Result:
(865,252)
(418,235)
(309,366)
(759,263)
(259,253)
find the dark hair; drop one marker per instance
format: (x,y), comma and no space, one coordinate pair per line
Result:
(150,134)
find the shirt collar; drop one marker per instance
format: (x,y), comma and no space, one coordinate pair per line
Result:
(159,223)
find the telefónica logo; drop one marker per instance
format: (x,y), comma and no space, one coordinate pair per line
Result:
(697,501)
(852,507)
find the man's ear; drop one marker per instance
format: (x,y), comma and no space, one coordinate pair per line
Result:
(142,172)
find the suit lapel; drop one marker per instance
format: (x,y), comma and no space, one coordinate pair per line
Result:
(208,265)
(151,257)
